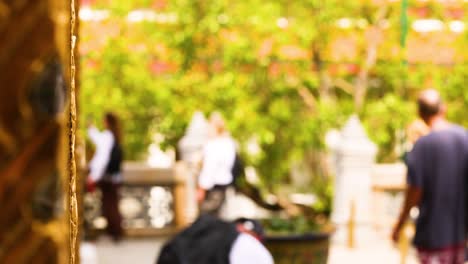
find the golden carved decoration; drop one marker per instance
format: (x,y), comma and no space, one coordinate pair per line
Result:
(39,222)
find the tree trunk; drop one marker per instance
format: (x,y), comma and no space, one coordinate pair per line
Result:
(325,82)
(374,36)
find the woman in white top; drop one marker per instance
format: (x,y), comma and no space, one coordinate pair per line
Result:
(219,155)
(105,171)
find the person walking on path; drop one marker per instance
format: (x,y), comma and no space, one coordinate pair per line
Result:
(216,176)
(105,171)
(436,184)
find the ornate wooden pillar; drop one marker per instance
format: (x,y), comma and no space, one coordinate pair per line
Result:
(34,74)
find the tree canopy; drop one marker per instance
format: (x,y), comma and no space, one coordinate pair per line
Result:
(282,72)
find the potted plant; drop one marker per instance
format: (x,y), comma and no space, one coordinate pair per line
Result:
(298,230)
(297,239)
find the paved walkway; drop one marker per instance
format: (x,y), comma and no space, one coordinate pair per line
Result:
(373,246)
(382,252)
(130,251)
(144,251)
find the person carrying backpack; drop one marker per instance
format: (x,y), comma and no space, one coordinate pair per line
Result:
(105,171)
(216,175)
(210,240)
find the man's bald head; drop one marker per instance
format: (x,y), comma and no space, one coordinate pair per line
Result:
(429,104)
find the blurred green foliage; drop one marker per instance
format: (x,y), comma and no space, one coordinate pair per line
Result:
(287,226)
(227,56)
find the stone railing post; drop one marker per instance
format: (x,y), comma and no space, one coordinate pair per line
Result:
(183,213)
(190,149)
(355,157)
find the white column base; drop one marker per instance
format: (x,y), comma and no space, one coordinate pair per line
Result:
(364,235)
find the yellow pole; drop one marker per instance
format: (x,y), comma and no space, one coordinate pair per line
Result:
(404,242)
(351,225)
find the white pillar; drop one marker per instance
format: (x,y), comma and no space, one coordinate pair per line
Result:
(355,157)
(190,148)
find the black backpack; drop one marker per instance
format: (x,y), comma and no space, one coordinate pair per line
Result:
(207,241)
(115,160)
(238,170)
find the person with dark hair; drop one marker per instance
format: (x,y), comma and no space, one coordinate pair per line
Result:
(437,179)
(210,240)
(105,171)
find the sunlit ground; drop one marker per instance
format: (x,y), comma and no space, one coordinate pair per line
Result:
(377,249)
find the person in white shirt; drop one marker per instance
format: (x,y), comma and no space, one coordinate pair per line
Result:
(103,142)
(219,154)
(105,171)
(248,248)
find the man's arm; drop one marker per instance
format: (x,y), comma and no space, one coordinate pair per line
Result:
(412,198)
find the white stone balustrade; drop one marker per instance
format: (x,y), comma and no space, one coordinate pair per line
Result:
(354,158)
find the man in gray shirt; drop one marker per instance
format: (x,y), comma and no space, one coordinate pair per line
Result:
(437,178)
